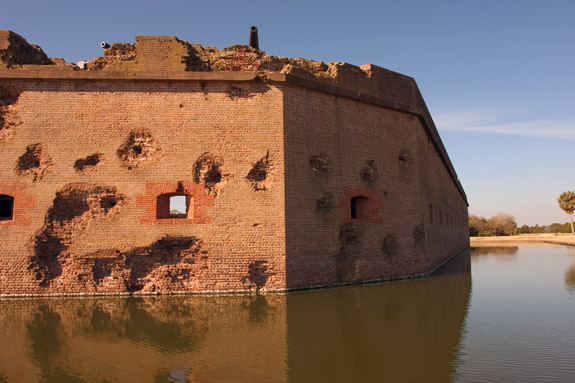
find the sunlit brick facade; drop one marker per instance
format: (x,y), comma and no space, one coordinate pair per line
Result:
(292,178)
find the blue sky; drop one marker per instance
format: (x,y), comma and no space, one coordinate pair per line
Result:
(497,75)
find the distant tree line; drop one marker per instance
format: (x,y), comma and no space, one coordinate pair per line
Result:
(504,224)
(500,224)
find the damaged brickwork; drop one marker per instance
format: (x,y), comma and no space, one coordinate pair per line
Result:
(9,117)
(35,161)
(73,209)
(261,173)
(169,264)
(390,245)
(320,163)
(369,172)
(326,205)
(138,150)
(208,171)
(88,163)
(350,237)
(168,167)
(404,155)
(15,52)
(419,234)
(176,55)
(258,274)
(117,53)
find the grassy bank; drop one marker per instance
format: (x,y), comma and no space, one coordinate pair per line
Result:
(525,239)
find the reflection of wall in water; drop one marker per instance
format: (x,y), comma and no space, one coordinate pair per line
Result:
(405,331)
(144,339)
(400,331)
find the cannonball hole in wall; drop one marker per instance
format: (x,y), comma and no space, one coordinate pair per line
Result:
(360,207)
(6,208)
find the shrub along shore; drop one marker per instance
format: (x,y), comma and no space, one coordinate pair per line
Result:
(525,239)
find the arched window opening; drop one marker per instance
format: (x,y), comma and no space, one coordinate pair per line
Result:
(6,208)
(430,213)
(174,206)
(360,207)
(440,217)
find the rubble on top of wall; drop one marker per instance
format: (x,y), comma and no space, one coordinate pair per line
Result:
(170,54)
(17,53)
(151,53)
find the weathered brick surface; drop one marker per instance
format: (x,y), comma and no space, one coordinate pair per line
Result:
(292,179)
(74,119)
(396,238)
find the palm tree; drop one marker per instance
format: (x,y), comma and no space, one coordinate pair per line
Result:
(567,204)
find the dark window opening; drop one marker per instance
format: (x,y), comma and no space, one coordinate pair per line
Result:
(6,208)
(430,213)
(360,207)
(173,205)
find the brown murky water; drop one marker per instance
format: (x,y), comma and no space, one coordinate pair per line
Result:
(515,324)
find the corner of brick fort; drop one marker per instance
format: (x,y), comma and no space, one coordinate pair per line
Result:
(292,173)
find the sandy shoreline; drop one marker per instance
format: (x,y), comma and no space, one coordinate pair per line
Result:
(524,240)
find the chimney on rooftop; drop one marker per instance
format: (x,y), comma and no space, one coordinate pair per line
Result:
(254,43)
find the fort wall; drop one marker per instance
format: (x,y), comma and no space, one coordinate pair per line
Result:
(71,241)
(383,156)
(295,173)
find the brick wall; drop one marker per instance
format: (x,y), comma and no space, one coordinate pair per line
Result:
(288,184)
(113,148)
(381,156)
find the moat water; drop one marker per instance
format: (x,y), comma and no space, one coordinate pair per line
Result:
(512,319)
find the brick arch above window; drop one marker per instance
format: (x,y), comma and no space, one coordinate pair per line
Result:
(157,194)
(361,205)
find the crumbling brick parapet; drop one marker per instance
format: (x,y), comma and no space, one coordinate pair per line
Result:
(16,52)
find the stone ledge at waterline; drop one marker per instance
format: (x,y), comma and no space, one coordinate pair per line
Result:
(168,167)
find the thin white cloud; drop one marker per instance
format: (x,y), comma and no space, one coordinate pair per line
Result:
(490,122)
